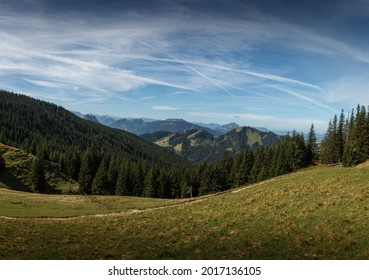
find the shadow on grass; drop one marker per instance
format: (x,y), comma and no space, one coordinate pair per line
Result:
(11,181)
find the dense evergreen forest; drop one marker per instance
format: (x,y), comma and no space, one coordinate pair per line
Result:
(110,162)
(34,125)
(347,139)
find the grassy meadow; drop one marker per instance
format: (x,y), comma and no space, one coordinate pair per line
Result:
(316,213)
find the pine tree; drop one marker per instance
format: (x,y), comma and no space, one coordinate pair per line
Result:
(163,184)
(330,148)
(151,183)
(124,180)
(340,137)
(312,146)
(89,166)
(206,183)
(256,171)
(100,182)
(37,177)
(184,189)
(112,175)
(298,152)
(138,175)
(196,176)
(73,164)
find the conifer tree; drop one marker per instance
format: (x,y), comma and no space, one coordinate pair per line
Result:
(73,164)
(329,147)
(151,183)
(89,166)
(183,189)
(312,146)
(124,180)
(100,182)
(112,175)
(297,151)
(340,136)
(138,174)
(260,157)
(163,184)
(37,177)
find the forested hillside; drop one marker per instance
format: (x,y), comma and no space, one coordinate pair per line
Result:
(199,145)
(107,161)
(32,124)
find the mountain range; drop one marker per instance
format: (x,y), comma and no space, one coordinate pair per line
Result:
(199,145)
(140,126)
(195,142)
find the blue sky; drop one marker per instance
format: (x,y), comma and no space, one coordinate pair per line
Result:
(276,64)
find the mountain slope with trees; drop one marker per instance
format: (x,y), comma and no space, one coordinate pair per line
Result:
(199,145)
(108,161)
(32,124)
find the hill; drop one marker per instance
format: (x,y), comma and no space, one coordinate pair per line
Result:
(220,128)
(140,127)
(18,166)
(29,123)
(316,213)
(199,145)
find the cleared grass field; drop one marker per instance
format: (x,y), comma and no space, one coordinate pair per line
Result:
(21,204)
(316,213)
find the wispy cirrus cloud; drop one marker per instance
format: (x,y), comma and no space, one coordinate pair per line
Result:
(183,55)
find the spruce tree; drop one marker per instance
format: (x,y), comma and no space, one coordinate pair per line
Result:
(138,174)
(89,166)
(312,146)
(112,175)
(329,147)
(37,177)
(340,136)
(151,183)
(124,180)
(163,184)
(100,182)
(184,189)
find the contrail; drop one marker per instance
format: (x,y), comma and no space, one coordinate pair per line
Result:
(204,76)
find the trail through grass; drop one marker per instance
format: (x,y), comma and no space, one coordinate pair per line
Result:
(317,213)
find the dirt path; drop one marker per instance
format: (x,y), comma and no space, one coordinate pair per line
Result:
(137,211)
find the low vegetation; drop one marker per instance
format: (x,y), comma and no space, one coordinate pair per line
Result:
(316,213)
(18,168)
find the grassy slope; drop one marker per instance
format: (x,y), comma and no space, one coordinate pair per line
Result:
(19,164)
(317,213)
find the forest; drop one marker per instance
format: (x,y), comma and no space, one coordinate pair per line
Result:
(105,161)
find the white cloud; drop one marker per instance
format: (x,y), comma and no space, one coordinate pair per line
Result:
(164,108)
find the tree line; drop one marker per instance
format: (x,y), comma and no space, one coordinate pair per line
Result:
(103,173)
(346,141)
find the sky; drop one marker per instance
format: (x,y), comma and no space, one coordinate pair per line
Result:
(282,65)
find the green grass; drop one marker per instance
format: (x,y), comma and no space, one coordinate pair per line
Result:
(316,213)
(18,166)
(21,204)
